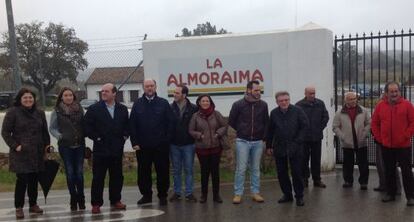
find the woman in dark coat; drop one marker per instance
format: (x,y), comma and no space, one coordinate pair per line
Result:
(66,124)
(207,126)
(25,132)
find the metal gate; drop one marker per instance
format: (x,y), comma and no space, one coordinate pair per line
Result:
(364,64)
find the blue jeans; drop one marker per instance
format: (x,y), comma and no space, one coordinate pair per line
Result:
(183,157)
(73,161)
(248,154)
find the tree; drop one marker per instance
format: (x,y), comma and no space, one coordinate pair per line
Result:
(53,51)
(202,29)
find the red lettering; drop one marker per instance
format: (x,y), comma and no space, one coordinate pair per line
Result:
(226,77)
(192,78)
(204,78)
(217,63)
(208,64)
(172,80)
(244,76)
(257,75)
(215,78)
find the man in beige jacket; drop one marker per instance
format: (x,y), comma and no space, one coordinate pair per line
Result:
(351,125)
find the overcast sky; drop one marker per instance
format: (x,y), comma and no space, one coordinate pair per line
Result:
(95,20)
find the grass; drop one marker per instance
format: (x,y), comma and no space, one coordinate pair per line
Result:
(130,178)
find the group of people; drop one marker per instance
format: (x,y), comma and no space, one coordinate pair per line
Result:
(161,132)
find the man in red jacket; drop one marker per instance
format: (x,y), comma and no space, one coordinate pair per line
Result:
(393,126)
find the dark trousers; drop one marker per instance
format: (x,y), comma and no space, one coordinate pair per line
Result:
(402,156)
(160,158)
(381,170)
(210,165)
(25,181)
(73,161)
(362,162)
(295,162)
(102,164)
(312,152)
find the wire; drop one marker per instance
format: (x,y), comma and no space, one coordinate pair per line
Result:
(115,38)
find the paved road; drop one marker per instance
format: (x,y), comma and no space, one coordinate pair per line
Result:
(331,204)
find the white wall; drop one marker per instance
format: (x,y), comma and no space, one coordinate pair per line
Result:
(299,58)
(93,91)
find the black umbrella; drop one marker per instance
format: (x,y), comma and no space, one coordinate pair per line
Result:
(47,176)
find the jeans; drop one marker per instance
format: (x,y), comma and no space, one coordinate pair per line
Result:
(73,161)
(248,154)
(25,181)
(182,157)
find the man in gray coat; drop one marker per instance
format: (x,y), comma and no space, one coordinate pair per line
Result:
(351,125)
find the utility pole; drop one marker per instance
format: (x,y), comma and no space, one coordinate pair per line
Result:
(13,46)
(42,77)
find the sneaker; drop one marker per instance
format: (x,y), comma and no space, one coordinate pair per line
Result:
(118,206)
(144,200)
(256,197)
(35,209)
(96,209)
(175,197)
(319,184)
(19,213)
(191,198)
(236,199)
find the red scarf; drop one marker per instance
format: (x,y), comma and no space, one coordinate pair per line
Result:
(205,113)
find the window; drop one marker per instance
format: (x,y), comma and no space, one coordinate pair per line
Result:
(133,95)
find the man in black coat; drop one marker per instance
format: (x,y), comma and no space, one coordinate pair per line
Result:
(106,123)
(285,136)
(152,122)
(318,117)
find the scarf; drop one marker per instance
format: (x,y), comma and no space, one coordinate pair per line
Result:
(69,109)
(205,113)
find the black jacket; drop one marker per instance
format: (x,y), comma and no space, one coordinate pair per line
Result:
(286,131)
(108,134)
(249,119)
(180,135)
(318,118)
(151,123)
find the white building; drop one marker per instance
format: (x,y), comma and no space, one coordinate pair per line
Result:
(128,93)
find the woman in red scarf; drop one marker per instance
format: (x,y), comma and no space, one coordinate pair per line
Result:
(207,126)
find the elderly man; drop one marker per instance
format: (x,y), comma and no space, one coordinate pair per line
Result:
(152,122)
(352,125)
(106,123)
(318,118)
(393,127)
(284,140)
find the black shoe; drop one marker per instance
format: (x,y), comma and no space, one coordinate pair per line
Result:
(347,185)
(73,203)
(285,199)
(175,197)
(191,198)
(388,198)
(364,187)
(203,198)
(144,200)
(163,201)
(217,199)
(300,202)
(319,184)
(410,202)
(81,203)
(379,189)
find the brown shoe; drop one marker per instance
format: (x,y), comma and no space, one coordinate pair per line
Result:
(237,199)
(35,209)
(118,206)
(19,213)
